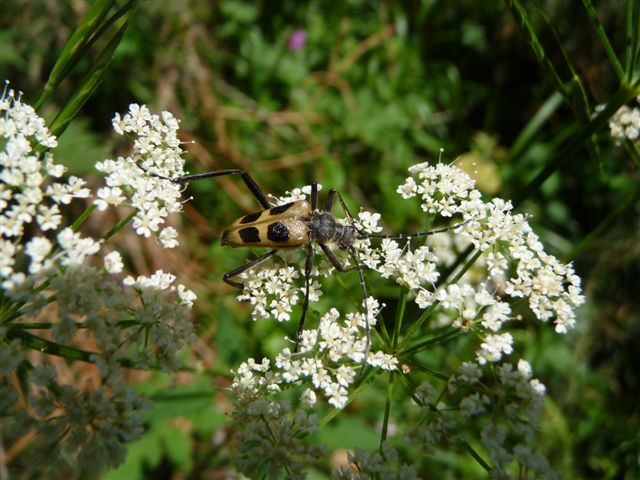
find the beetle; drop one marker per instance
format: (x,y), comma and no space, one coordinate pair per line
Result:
(297,224)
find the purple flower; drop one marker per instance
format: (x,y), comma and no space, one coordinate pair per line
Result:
(297,39)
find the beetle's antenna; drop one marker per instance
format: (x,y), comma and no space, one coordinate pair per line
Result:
(408,236)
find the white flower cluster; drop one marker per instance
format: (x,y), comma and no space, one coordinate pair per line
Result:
(156,150)
(25,195)
(506,239)
(625,123)
(329,359)
(293,195)
(141,321)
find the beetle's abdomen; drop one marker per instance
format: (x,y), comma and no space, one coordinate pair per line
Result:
(281,227)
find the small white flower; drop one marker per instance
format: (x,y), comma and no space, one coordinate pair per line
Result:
(168,237)
(113,262)
(493,347)
(308,398)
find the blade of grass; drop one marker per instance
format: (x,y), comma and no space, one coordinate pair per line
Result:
(387,409)
(633,41)
(76,47)
(566,153)
(533,126)
(89,84)
(526,29)
(604,40)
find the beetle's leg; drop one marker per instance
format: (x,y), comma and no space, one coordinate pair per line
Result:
(249,182)
(328,205)
(237,271)
(308,265)
(335,261)
(328,201)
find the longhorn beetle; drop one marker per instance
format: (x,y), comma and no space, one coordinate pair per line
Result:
(294,225)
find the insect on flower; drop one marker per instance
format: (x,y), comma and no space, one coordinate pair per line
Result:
(297,224)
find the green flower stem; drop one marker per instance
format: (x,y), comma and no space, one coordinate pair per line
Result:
(418,366)
(119,226)
(476,456)
(424,344)
(633,41)
(387,409)
(534,125)
(75,47)
(89,83)
(83,216)
(402,303)
(70,353)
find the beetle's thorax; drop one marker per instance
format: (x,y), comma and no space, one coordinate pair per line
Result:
(324,228)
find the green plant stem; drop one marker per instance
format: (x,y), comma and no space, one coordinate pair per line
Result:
(402,303)
(633,41)
(387,409)
(119,226)
(83,216)
(476,456)
(423,345)
(70,353)
(534,124)
(604,40)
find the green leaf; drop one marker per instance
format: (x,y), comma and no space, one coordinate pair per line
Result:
(89,84)
(76,46)
(177,445)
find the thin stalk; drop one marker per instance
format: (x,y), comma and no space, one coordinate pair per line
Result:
(423,345)
(83,216)
(399,317)
(604,40)
(387,409)
(476,456)
(119,226)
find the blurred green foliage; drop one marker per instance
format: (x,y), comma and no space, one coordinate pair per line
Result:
(376,87)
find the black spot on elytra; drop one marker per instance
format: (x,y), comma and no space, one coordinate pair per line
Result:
(249,235)
(277,232)
(252,217)
(280,209)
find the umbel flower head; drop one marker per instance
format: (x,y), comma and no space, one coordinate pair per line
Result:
(514,264)
(511,264)
(80,282)
(156,148)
